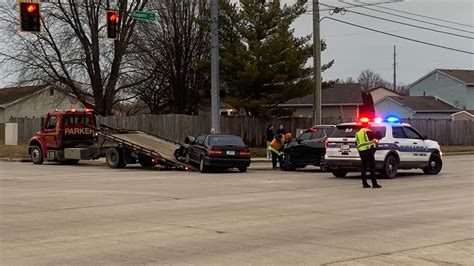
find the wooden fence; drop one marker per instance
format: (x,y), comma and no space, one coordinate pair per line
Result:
(252,130)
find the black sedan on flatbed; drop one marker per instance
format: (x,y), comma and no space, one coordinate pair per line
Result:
(215,151)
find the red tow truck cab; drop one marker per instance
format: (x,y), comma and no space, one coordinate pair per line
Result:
(62,130)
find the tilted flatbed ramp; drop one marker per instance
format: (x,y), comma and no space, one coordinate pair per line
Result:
(155,146)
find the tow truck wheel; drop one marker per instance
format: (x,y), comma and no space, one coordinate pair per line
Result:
(434,165)
(390,167)
(37,155)
(114,158)
(339,173)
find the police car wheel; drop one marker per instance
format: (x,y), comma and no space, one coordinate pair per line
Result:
(390,167)
(434,165)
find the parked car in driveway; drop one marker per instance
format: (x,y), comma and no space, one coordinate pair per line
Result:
(215,151)
(308,149)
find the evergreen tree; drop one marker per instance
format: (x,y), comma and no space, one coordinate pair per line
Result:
(262,63)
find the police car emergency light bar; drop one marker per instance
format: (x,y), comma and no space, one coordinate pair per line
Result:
(389,119)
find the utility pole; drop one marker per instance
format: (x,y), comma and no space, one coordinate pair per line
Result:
(215,101)
(394,68)
(316,65)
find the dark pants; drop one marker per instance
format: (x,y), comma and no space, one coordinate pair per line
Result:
(276,157)
(368,161)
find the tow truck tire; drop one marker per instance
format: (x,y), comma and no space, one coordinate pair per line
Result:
(115,158)
(339,173)
(390,167)
(434,165)
(202,167)
(37,155)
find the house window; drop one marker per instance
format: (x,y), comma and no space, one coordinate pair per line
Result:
(51,92)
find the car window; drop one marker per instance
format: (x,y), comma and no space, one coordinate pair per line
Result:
(317,134)
(305,136)
(397,133)
(345,131)
(328,131)
(53,120)
(411,133)
(225,140)
(380,130)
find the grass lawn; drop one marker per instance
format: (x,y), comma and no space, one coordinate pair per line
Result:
(9,151)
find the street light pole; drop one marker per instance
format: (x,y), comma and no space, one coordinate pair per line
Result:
(316,65)
(215,101)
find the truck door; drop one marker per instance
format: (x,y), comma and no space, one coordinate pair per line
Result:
(50,132)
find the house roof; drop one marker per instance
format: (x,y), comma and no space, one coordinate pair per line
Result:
(384,88)
(9,95)
(339,94)
(422,103)
(469,112)
(466,76)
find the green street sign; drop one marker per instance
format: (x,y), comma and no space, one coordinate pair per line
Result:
(141,15)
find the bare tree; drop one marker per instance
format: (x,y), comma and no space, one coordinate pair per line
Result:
(72,52)
(174,50)
(368,79)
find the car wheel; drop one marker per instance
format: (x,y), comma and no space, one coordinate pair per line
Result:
(114,158)
(37,155)
(286,164)
(390,167)
(434,165)
(187,158)
(323,165)
(202,167)
(339,173)
(242,169)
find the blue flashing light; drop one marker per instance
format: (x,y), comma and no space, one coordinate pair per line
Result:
(392,119)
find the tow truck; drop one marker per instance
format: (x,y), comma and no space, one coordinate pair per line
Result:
(73,135)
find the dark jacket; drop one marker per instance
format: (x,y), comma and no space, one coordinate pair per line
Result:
(269,135)
(281,131)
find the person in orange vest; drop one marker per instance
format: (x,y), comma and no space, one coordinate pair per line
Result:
(276,147)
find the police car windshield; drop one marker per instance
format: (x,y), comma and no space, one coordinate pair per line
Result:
(349,131)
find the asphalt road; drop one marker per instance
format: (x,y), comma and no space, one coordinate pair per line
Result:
(92,215)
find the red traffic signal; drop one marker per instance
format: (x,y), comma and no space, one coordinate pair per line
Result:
(30,17)
(112,23)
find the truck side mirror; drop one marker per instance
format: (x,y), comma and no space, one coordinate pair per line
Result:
(189,140)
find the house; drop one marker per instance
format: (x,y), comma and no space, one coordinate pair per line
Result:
(415,107)
(453,85)
(464,115)
(34,101)
(381,91)
(342,101)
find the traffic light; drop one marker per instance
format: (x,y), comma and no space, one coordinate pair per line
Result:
(30,17)
(112,24)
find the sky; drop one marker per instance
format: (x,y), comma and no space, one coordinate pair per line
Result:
(355,49)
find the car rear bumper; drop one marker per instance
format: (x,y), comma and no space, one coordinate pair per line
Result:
(350,164)
(226,162)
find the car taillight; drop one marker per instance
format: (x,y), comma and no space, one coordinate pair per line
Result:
(213,152)
(326,143)
(245,153)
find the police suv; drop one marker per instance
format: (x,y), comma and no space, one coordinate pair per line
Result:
(401,147)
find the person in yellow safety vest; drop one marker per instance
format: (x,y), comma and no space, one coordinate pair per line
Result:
(366,145)
(276,147)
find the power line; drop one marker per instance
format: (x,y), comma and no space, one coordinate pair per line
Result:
(433,18)
(406,24)
(414,19)
(365,4)
(402,37)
